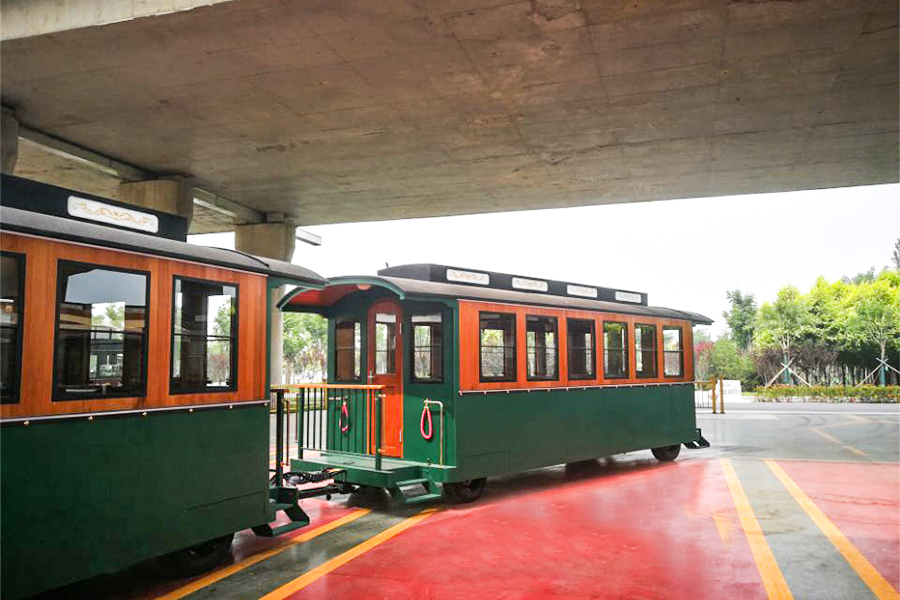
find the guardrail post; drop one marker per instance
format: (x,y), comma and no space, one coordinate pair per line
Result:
(378,404)
(279,435)
(301,415)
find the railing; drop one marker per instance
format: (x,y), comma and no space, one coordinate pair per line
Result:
(709,394)
(328,417)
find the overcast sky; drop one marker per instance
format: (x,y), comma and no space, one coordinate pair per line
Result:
(684,253)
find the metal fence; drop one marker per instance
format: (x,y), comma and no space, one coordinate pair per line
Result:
(327,417)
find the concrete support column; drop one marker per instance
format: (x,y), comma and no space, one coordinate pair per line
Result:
(270,240)
(9,141)
(174,196)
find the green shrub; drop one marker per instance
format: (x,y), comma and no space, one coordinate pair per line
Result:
(830,393)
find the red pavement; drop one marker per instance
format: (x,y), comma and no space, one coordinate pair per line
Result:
(646,532)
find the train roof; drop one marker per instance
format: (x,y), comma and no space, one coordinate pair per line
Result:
(16,220)
(423,287)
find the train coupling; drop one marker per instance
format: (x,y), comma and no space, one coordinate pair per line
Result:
(699,442)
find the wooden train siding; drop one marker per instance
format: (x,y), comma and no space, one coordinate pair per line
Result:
(39,320)
(469,347)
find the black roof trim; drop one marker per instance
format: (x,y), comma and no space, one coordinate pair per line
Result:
(23,221)
(506,281)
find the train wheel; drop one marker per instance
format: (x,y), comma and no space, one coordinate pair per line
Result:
(465,491)
(198,559)
(667,453)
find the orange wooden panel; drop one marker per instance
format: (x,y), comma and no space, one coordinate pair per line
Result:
(39,322)
(469,347)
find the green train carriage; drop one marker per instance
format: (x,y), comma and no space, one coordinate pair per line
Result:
(444,376)
(134,403)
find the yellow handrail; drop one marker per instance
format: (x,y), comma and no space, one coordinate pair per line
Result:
(326,386)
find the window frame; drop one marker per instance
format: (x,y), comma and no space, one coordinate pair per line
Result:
(236,345)
(356,320)
(625,349)
(549,377)
(412,347)
(654,349)
(514,376)
(593,374)
(142,392)
(16,396)
(680,351)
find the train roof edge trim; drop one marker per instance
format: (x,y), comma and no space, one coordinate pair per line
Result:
(14,220)
(404,288)
(506,281)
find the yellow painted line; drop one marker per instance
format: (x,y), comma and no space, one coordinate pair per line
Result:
(880,586)
(772,577)
(252,560)
(833,439)
(854,420)
(341,559)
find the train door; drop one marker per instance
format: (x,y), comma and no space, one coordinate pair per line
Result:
(386,368)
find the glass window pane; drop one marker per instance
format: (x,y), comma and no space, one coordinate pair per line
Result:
(673,352)
(615,349)
(580,334)
(497,333)
(348,348)
(385,343)
(204,336)
(541,348)
(101,332)
(11,280)
(428,348)
(645,350)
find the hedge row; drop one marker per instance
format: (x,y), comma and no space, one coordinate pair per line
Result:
(829,393)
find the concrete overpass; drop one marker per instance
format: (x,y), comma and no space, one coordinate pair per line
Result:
(323,111)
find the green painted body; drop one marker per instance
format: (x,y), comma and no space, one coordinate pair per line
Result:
(126,489)
(495,433)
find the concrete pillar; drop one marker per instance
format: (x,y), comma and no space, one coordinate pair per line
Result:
(174,196)
(270,240)
(9,141)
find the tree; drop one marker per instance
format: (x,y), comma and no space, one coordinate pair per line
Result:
(896,256)
(741,318)
(783,323)
(876,315)
(726,361)
(305,346)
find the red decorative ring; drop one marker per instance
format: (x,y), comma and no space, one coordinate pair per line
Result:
(344,420)
(426,417)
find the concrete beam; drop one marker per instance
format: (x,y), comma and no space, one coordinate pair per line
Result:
(173,196)
(9,141)
(127,172)
(27,18)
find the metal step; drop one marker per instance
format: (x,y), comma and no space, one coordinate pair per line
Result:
(432,492)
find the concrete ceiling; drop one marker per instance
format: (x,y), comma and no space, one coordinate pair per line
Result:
(349,110)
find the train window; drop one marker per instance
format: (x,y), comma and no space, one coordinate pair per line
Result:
(497,334)
(615,349)
(428,348)
(645,350)
(541,348)
(348,350)
(673,350)
(385,343)
(12,280)
(204,336)
(101,332)
(580,334)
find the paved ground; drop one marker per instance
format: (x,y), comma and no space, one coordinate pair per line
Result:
(792,501)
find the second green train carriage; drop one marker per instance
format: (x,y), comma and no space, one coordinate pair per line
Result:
(443,376)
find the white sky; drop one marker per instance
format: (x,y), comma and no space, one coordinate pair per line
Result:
(684,253)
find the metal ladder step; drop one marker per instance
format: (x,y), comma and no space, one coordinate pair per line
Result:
(432,492)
